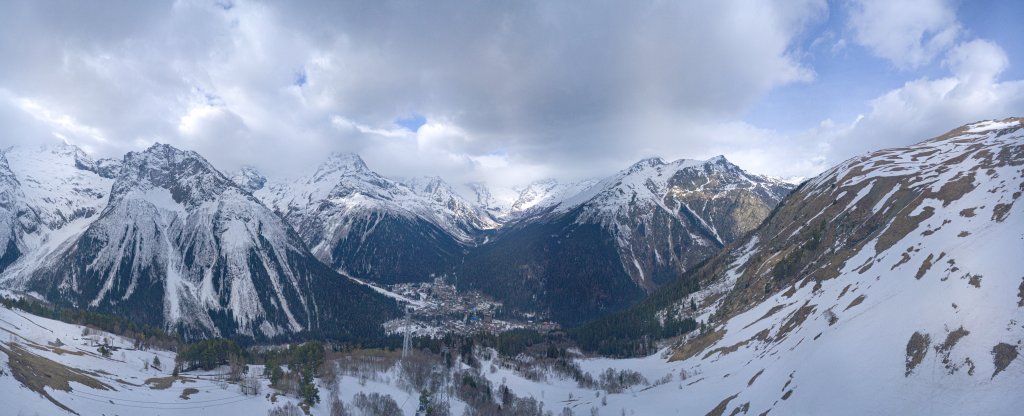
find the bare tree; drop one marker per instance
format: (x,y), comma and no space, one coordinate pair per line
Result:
(250,385)
(236,367)
(338,408)
(287,409)
(329,375)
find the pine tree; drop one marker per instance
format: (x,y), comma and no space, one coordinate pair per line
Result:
(424,409)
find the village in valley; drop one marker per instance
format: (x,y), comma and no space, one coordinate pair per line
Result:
(436,308)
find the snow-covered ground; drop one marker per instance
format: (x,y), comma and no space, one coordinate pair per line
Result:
(123,376)
(122,386)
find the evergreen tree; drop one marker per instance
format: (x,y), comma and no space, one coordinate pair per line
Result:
(425,408)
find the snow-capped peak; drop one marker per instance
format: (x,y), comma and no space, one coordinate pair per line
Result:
(189,177)
(341,163)
(249,178)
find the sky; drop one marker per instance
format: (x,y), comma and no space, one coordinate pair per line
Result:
(506,92)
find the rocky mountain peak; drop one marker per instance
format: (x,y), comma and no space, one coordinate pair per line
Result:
(343,163)
(249,178)
(189,177)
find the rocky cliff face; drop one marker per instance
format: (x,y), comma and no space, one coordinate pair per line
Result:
(178,234)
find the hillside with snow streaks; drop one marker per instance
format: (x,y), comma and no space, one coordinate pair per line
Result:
(178,233)
(894,276)
(606,246)
(708,203)
(369,226)
(55,192)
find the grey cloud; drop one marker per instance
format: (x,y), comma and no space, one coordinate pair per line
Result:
(512,91)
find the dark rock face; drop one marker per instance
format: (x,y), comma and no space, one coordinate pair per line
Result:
(608,247)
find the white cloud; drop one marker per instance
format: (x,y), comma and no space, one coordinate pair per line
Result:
(909,33)
(512,91)
(64,125)
(925,108)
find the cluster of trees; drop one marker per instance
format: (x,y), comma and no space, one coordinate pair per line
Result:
(573,271)
(305,362)
(209,354)
(635,331)
(789,267)
(376,404)
(145,336)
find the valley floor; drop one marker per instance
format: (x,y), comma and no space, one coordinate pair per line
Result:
(74,376)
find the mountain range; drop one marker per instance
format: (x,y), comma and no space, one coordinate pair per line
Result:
(242,254)
(890,283)
(601,244)
(167,240)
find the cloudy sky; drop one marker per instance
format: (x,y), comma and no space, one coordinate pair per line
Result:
(506,91)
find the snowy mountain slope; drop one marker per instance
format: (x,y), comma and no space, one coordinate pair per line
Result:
(54,368)
(893,276)
(373,227)
(178,233)
(703,205)
(249,178)
(60,190)
(11,211)
(511,204)
(604,247)
(463,215)
(81,381)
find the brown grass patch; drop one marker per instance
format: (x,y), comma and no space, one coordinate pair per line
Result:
(698,344)
(1000,211)
(720,409)
(845,289)
(754,378)
(967,212)
(856,301)
(955,189)
(36,373)
(951,339)
(1002,355)
(964,234)
(188,391)
(917,348)
(164,383)
(777,308)
(946,348)
(904,257)
(128,383)
(925,265)
(761,336)
(975,281)
(743,408)
(900,229)
(866,266)
(795,320)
